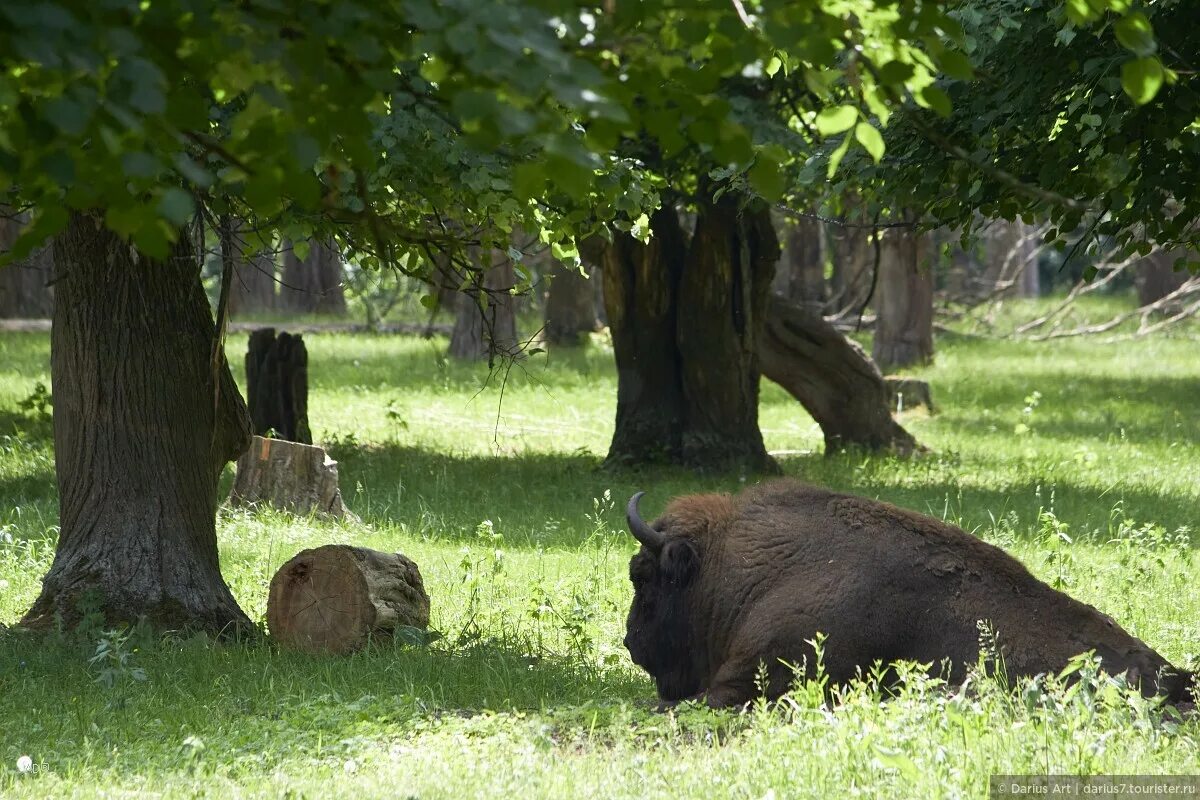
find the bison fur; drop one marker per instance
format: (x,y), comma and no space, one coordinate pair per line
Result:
(727,586)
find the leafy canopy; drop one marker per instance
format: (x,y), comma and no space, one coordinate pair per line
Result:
(401,123)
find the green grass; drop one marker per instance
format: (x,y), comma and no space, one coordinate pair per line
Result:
(518,534)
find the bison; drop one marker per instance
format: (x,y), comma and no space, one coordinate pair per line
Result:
(725,587)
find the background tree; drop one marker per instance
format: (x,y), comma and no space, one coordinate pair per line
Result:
(570,305)
(904,301)
(253,289)
(25,290)
(312,282)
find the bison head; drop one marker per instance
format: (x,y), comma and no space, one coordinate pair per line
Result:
(658,631)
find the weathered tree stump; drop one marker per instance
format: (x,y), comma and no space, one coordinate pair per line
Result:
(277,385)
(334,598)
(908,393)
(288,475)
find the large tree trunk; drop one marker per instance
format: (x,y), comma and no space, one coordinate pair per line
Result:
(570,306)
(722,293)
(487,329)
(800,276)
(24,289)
(253,288)
(140,436)
(904,299)
(832,377)
(313,285)
(641,294)
(685,318)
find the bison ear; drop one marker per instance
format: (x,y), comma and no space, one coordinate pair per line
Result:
(679,561)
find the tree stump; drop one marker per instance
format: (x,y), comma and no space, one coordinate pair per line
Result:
(907,393)
(334,598)
(277,385)
(295,477)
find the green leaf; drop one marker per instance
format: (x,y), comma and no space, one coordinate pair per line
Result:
(1079,12)
(836,119)
(936,99)
(773,66)
(1135,33)
(67,115)
(1141,79)
(956,65)
(870,139)
(176,205)
(836,158)
(767,178)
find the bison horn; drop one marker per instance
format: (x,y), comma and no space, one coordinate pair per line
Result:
(641,531)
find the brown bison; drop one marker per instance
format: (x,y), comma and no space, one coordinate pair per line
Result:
(725,584)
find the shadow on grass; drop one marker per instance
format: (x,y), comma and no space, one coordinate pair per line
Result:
(551,500)
(275,705)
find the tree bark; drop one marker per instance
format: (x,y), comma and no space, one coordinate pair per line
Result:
(24,289)
(313,285)
(141,433)
(489,329)
(253,288)
(853,257)
(291,476)
(904,320)
(336,598)
(1156,276)
(570,306)
(722,295)
(800,277)
(277,385)
(833,379)
(641,295)
(1010,252)
(685,317)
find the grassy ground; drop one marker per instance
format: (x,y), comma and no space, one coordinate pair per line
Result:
(1079,458)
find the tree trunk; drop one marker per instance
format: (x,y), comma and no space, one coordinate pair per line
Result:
(313,285)
(800,277)
(445,279)
(336,598)
(592,252)
(489,329)
(853,257)
(904,300)
(685,318)
(722,295)
(277,385)
(641,293)
(1010,252)
(140,436)
(833,379)
(253,288)
(570,306)
(1156,276)
(24,290)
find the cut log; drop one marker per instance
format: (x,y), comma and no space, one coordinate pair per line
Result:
(288,475)
(832,378)
(277,385)
(335,598)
